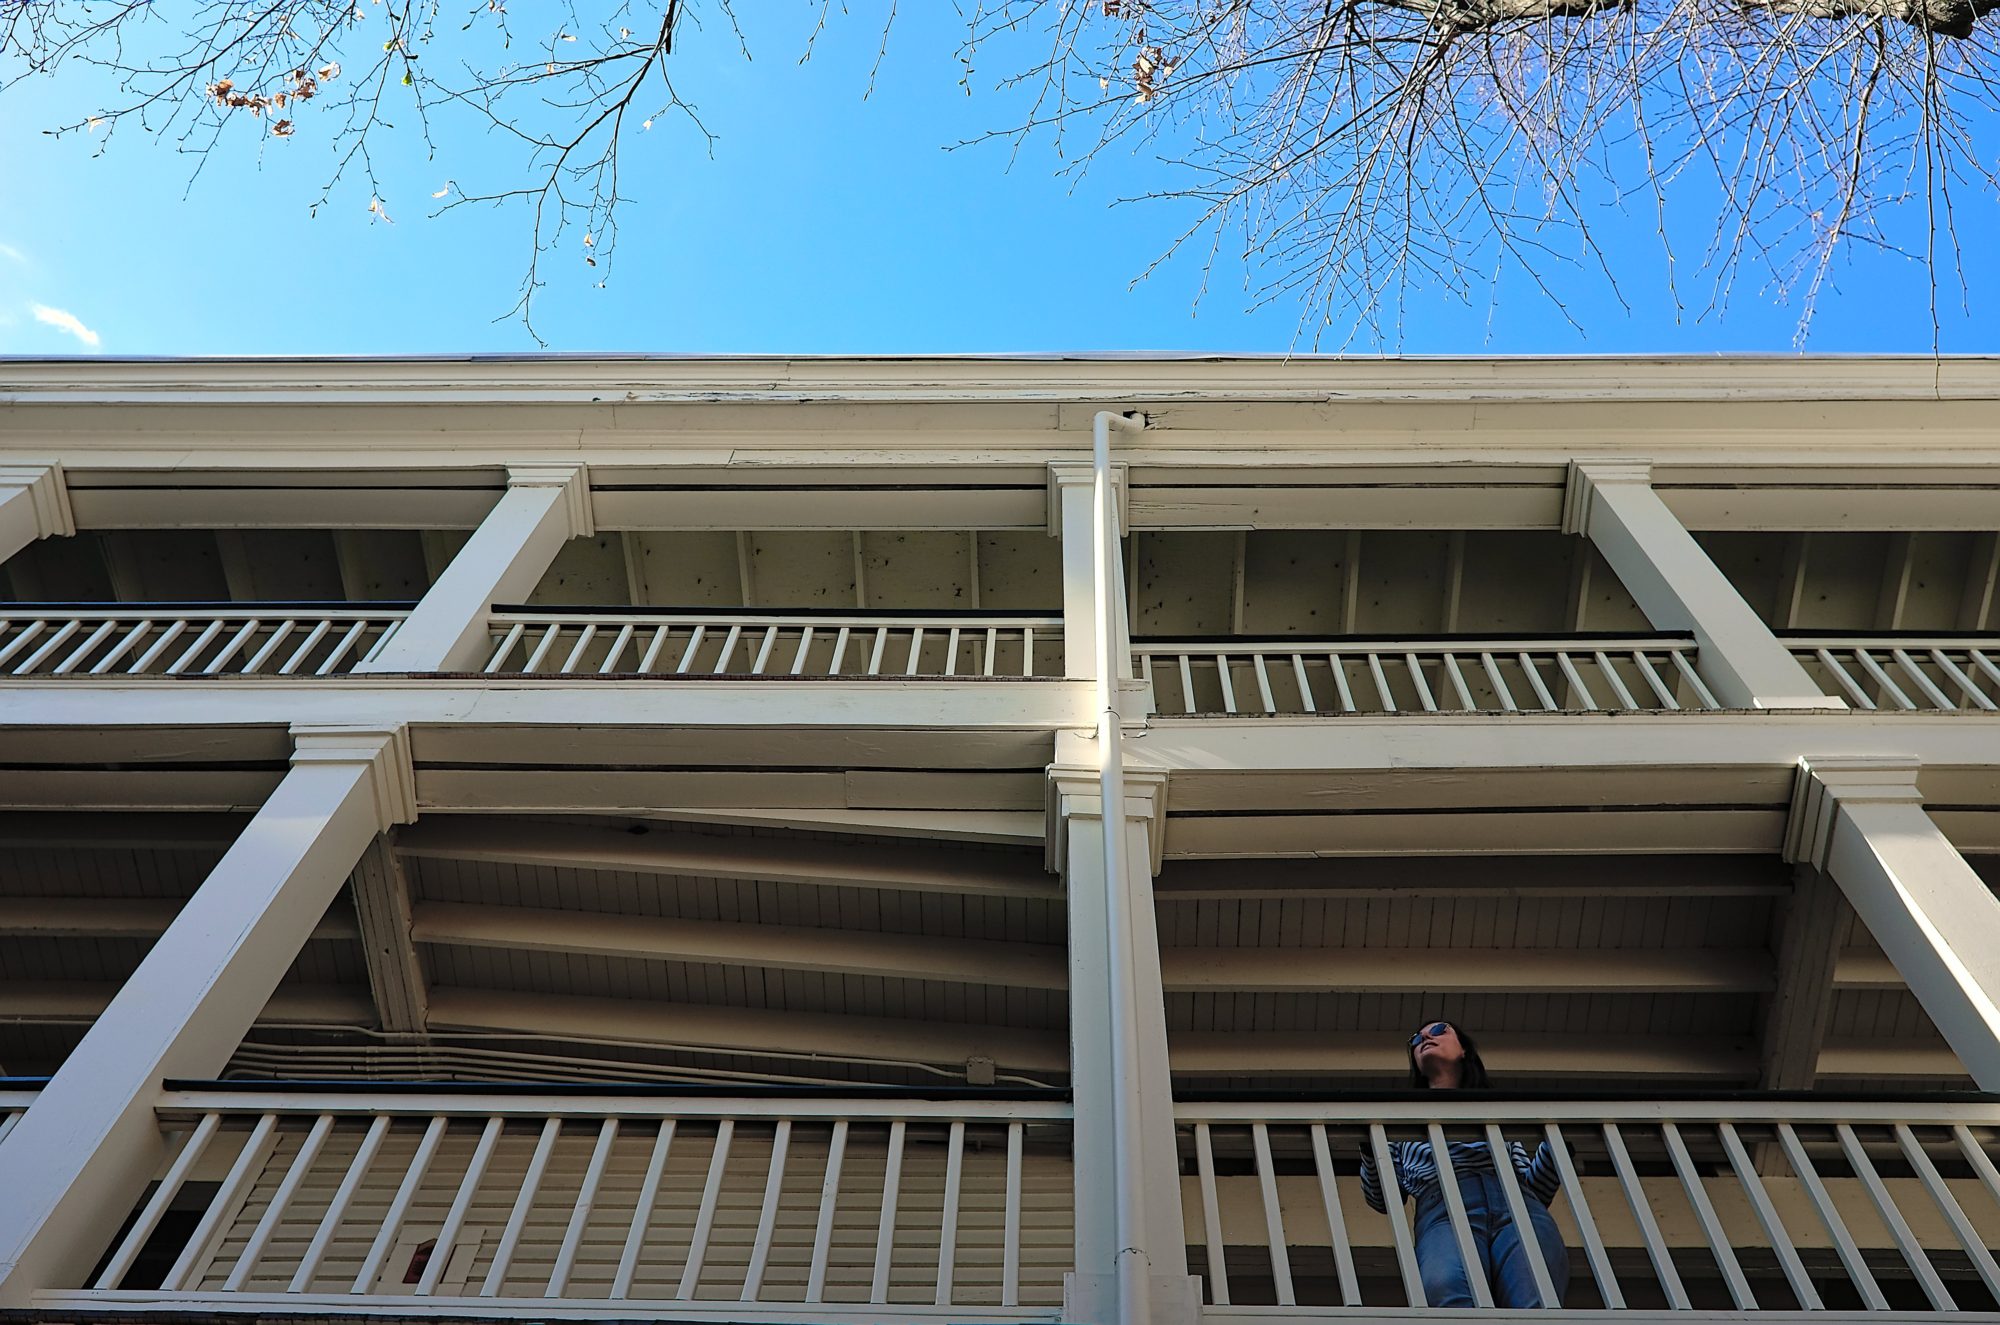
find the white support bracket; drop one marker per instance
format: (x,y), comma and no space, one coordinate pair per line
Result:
(1127,1173)
(545,507)
(385,751)
(1824,785)
(1677,586)
(1074,474)
(82,1154)
(34,504)
(1862,820)
(573,479)
(1073,793)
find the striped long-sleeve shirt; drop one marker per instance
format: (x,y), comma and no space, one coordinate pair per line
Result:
(1417,1168)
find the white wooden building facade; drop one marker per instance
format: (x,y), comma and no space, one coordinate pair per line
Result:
(626,838)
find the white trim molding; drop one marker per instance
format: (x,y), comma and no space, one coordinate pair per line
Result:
(1584,477)
(385,751)
(48,494)
(1677,586)
(573,479)
(1863,822)
(1825,784)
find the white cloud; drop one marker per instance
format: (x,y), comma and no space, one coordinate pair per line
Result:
(12,254)
(64,320)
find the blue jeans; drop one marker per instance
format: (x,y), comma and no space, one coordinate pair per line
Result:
(1502,1254)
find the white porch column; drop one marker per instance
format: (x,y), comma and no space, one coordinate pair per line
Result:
(34,503)
(1612,502)
(82,1155)
(1099,1043)
(545,507)
(1863,822)
(1070,520)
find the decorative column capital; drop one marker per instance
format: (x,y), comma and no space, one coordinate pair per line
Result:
(1586,475)
(385,751)
(1079,474)
(1076,792)
(1825,783)
(48,494)
(573,478)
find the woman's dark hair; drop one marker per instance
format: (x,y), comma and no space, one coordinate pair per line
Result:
(1472,1076)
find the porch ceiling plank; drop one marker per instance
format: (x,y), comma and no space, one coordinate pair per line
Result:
(903,868)
(746,1030)
(83,1001)
(120,918)
(382,916)
(1463,970)
(759,946)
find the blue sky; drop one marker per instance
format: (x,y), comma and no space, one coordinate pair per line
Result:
(823,223)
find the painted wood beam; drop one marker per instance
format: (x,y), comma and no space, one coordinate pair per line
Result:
(1000,827)
(1862,821)
(545,506)
(1679,588)
(83,1153)
(758,946)
(748,1030)
(68,1001)
(1469,876)
(837,864)
(34,503)
(1982,582)
(122,918)
(382,915)
(1466,970)
(1800,1008)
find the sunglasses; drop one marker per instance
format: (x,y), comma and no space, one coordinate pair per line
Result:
(1433,1030)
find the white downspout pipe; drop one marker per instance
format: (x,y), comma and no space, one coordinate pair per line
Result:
(1134,1260)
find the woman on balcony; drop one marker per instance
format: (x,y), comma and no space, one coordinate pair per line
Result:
(1443,1057)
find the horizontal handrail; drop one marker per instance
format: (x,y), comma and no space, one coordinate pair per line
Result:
(1729,1206)
(689,645)
(1465,675)
(417,1099)
(147,640)
(1904,672)
(596,1204)
(869,615)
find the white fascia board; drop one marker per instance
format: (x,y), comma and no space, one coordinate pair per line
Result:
(1219,749)
(1069,377)
(896,705)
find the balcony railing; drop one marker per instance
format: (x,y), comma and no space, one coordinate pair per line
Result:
(1719,1208)
(1497,675)
(1952,673)
(600,642)
(268,639)
(13,1103)
(877,1209)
